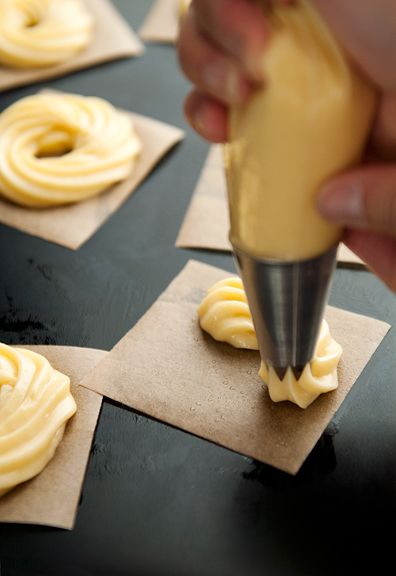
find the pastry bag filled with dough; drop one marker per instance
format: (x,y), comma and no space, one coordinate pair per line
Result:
(309,121)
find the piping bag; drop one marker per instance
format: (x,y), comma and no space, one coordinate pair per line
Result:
(310,121)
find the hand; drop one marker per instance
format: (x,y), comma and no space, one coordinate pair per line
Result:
(221,47)
(364,200)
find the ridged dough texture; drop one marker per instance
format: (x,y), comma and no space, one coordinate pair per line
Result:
(35,404)
(63,148)
(38,33)
(319,376)
(224,313)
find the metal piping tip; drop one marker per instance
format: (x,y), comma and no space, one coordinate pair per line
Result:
(280,371)
(287,301)
(297,371)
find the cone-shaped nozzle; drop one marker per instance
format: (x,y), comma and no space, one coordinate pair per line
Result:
(287,301)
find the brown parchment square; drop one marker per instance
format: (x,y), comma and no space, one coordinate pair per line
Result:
(168,368)
(206,223)
(52,497)
(113,39)
(162,22)
(74,224)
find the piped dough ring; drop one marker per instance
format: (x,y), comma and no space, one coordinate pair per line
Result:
(37,33)
(62,148)
(35,405)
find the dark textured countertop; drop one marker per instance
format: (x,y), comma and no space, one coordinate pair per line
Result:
(158,501)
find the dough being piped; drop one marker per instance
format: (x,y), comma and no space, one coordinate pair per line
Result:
(63,148)
(319,376)
(224,313)
(35,405)
(38,33)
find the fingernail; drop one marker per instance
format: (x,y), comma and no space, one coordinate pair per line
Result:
(342,203)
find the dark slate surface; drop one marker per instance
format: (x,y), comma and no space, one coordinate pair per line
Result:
(157,501)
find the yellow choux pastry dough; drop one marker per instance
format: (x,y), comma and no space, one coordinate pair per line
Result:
(318,377)
(36,33)
(183,6)
(225,315)
(308,122)
(35,404)
(62,148)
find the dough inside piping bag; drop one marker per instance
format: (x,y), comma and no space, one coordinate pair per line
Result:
(310,121)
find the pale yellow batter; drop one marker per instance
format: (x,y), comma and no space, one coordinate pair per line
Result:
(36,33)
(35,404)
(183,6)
(319,376)
(225,315)
(63,148)
(310,121)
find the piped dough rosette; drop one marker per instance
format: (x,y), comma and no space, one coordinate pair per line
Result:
(37,33)
(224,313)
(35,405)
(62,148)
(319,376)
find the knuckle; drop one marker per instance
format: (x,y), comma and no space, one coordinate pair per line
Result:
(184,52)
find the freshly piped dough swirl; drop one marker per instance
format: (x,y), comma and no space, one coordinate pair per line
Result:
(225,315)
(35,404)
(37,33)
(63,148)
(318,377)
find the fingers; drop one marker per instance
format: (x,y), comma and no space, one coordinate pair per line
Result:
(221,49)
(362,200)
(211,69)
(379,253)
(367,30)
(383,140)
(239,28)
(207,116)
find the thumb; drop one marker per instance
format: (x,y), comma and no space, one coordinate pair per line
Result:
(364,199)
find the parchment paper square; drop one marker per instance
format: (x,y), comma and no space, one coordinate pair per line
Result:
(168,368)
(162,22)
(52,497)
(206,223)
(113,39)
(73,225)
